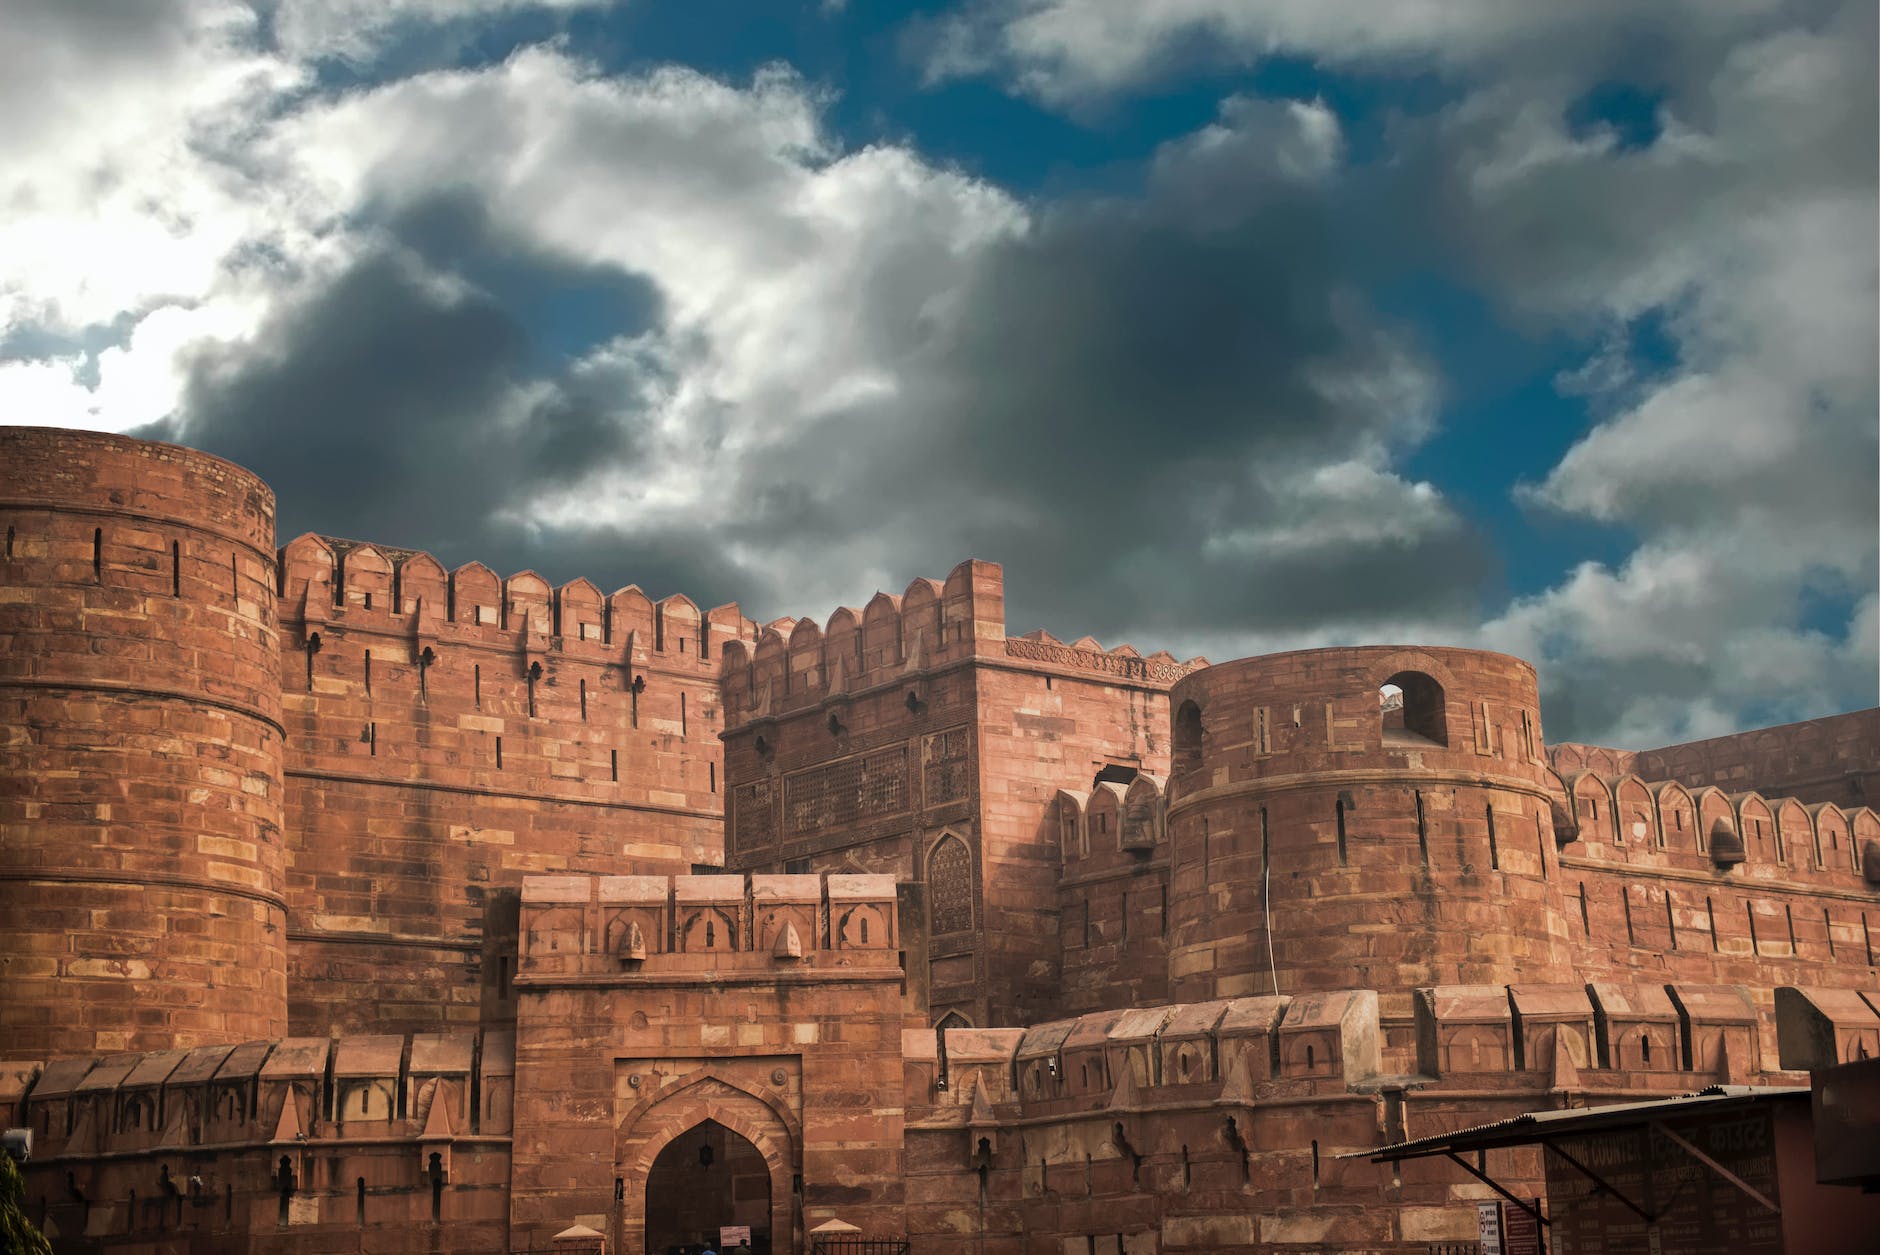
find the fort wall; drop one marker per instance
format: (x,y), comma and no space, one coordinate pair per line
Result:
(141,845)
(449,733)
(373,1143)
(913,737)
(1315,847)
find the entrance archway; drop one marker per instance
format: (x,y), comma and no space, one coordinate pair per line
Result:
(706,1178)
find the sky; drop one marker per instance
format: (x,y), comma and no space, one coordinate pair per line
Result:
(1226,326)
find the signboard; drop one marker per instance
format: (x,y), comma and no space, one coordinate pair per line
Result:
(1520,1231)
(1488,1220)
(730,1235)
(1697,1212)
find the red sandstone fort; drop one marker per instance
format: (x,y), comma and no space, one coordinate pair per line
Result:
(348,903)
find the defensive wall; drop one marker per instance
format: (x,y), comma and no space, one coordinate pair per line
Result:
(773,1007)
(451,732)
(345,904)
(915,738)
(142,850)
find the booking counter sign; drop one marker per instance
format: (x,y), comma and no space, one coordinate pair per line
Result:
(1509,1230)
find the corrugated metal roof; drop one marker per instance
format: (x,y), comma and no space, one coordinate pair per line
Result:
(1533,1125)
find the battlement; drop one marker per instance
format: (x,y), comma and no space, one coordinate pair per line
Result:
(623,928)
(429,1088)
(326,582)
(795,664)
(1586,1038)
(1626,819)
(1086,655)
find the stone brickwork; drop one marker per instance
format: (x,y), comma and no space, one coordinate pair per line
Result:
(450,733)
(351,903)
(141,840)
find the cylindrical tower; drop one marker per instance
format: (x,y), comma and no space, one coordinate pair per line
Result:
(141,871)
(1361,818)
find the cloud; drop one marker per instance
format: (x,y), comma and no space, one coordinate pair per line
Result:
(666,327)
(854,366)
(1066,51)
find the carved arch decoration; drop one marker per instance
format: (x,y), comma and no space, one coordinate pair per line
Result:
(952,905)
(652,1124)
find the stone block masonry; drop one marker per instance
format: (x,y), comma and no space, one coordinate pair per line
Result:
(352,903)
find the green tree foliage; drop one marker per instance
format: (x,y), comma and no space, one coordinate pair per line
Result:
(18,1235)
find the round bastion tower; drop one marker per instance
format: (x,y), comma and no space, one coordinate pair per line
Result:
(141,872)
(1370,818)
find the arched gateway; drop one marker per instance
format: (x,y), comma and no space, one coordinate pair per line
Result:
(698,1157)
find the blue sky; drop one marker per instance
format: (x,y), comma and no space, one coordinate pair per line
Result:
(1225,327)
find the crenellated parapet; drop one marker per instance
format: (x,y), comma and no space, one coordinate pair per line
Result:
(796,664)
(1629,819)
(1578,1039)
(327,583)
(212,1143)
(627,928)
(290,1092)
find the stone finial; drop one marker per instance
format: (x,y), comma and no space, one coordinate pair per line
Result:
(1566,1073)
(1237,1089)
(633,945)
(789,943)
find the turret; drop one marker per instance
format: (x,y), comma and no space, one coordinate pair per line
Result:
(1360,817)
(140,826)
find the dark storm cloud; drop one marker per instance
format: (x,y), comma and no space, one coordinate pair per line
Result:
(1119,386)
(391,407)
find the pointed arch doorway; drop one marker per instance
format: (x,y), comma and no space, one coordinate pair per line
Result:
(704,1179)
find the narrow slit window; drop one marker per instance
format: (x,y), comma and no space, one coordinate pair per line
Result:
(176,568)
(368,673)
(97,553)
(476,682)
(1342,857)
(499,753)
(1494,848)
(583,701)
(712,775)
(613,758)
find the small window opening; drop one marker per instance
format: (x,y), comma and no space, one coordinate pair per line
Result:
(1187,748)
(711,773)
(1411,707)
(633,693)
(176,568)
(1343,859)
(359,1202)
(1187,1170)
(1710,917)
(9,544)
(368,673)
(534,674)
(682,731)
(476,681)
(499,753)
(613,759)
(437,1187)
(1494,848)
(1423,830)
(1310,1052)
(1671,920)
(583,701)
(97,554)
(711,938)
(1644,1048)
(368,601)
(864,923)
